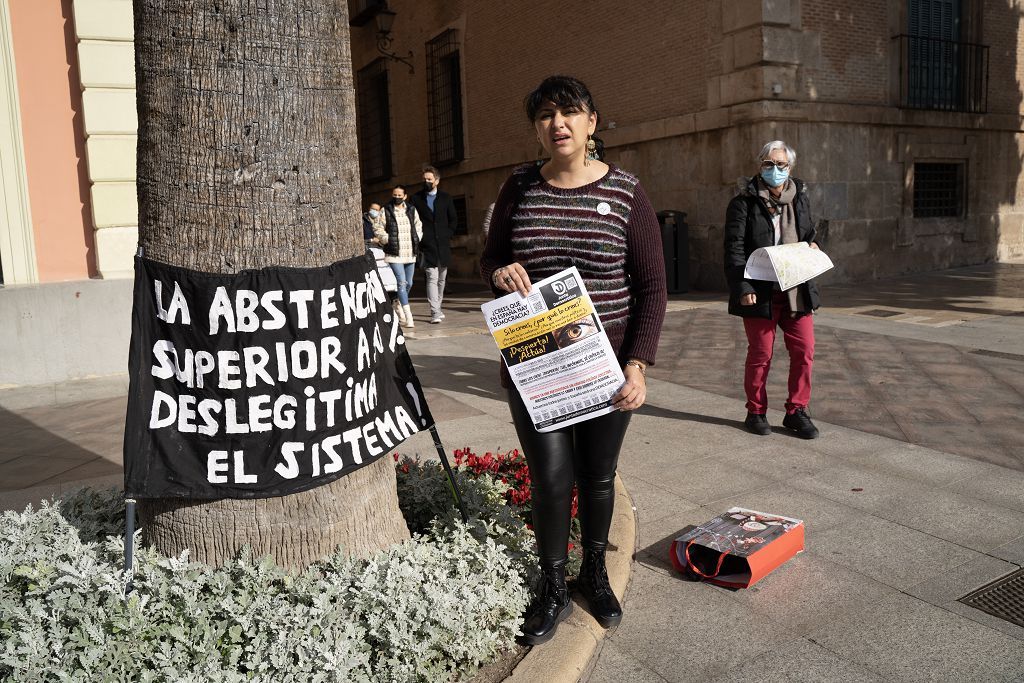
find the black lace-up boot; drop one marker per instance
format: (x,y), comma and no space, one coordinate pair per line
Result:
(594,586)
(551,605)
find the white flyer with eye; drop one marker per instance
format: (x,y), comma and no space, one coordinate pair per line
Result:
(556,351)
(788,264)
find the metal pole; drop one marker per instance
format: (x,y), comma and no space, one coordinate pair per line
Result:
(129,539)
(448,471)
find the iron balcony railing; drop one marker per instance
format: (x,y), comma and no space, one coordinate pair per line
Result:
(946,75)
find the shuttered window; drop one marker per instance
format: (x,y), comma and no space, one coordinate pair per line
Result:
(935,54)
(935,19)
(444,99)
(373,121)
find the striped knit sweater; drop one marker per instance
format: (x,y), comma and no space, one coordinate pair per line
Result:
(607,229)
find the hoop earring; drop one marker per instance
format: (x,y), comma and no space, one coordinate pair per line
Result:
(591,151)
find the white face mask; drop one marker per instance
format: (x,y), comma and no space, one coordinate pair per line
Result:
(374,213)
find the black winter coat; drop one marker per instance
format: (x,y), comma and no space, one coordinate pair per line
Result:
(748,226)
(391,248)
(438,228)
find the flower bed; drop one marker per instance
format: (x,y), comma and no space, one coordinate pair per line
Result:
(510,468)
(430,609)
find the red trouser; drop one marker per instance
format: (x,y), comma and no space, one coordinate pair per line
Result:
(799,335)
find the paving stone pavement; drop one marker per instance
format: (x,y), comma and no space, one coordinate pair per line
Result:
(933,394)
(913,496)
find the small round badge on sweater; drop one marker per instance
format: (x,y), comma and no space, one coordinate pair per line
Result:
(604,208)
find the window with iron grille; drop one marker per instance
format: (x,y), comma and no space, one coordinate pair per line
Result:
(373,119)
(939,70)
(462,227)
(938,190)
(444,99)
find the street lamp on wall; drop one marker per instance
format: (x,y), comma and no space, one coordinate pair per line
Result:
(385,19)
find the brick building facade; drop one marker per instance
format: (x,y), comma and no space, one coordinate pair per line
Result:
(906,116)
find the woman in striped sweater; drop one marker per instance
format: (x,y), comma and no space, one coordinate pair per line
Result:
(575,210)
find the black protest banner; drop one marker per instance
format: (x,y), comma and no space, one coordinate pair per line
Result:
(263,383)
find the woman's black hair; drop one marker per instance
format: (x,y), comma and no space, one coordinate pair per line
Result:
(564,91)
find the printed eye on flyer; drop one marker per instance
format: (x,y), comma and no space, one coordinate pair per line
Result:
(556,350)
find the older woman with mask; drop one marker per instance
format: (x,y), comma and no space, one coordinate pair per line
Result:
(772,208)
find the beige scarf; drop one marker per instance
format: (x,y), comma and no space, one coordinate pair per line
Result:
(782,206)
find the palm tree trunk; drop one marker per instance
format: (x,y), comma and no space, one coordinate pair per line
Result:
(247,158)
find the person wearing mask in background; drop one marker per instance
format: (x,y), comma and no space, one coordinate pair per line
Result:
(372,220)
(772,208)
(400,237)
(437,210)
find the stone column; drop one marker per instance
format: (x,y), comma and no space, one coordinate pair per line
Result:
(106,62)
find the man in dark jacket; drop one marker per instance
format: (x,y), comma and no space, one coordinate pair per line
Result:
(437,211)
(772,208)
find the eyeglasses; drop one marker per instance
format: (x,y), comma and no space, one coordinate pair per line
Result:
(768,163)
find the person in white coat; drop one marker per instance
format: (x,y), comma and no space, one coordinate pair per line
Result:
(400,238)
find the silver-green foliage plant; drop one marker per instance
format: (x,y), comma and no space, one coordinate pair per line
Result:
(425,497)
(430,609)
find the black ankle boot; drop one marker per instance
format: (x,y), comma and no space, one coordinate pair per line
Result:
(551,606)
(594,586)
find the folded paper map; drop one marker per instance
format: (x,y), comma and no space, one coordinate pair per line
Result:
(787,264)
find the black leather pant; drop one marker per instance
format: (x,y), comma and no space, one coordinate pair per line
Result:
(586,454)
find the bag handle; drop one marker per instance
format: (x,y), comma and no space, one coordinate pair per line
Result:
(693,568)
